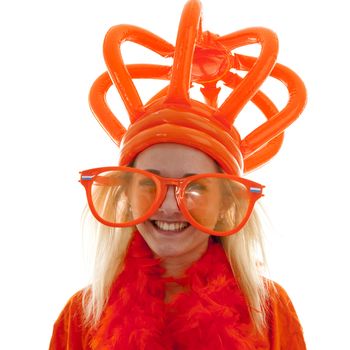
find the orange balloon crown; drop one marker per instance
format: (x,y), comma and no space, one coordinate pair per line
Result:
(172,116)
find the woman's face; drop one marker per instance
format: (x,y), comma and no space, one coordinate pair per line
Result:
(162,231)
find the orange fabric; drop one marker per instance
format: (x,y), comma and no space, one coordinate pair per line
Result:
(285,331)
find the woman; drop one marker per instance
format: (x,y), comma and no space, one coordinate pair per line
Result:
(176,264)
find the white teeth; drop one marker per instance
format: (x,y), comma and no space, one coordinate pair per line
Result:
(174,226)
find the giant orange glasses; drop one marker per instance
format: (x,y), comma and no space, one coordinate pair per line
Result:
(217,203)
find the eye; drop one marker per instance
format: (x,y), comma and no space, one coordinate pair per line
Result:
(195,187)
(146,183)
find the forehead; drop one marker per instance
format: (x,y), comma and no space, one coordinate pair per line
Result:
(175,160)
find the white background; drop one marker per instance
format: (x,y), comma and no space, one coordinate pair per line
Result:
(51,52)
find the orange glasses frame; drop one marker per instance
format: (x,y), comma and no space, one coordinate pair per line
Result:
(254,189)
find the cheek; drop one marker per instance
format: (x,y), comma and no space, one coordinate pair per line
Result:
(206,210)
(140,201)
(211,215)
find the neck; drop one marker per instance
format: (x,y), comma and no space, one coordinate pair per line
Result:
(175,266)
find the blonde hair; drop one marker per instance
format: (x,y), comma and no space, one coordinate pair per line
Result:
(244,250)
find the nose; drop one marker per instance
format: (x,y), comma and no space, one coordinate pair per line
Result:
(169,205)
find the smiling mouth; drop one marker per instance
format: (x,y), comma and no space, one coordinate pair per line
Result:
(166,226)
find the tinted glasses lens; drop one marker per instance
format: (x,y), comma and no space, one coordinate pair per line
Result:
(122,196)
(217,203)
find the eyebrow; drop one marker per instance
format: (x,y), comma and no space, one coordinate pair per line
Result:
(157,172)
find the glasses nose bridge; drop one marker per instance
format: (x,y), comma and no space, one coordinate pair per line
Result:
(171,181)
(170,194)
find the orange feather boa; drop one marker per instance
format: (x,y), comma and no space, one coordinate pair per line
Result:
(212,314)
